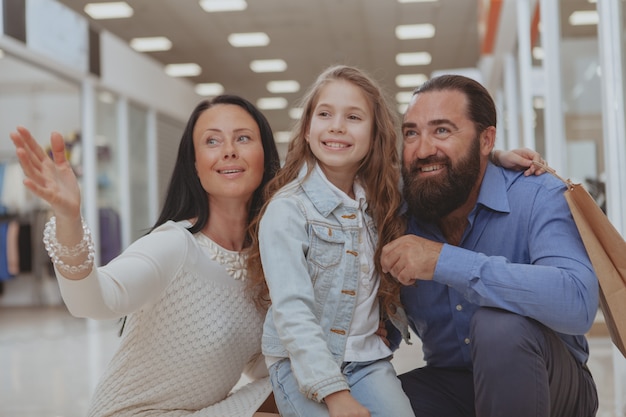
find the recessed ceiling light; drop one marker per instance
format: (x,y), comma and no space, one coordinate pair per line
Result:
(268,65)
(296,112)
(420,31)
(583,17)
(212,6)
(413,58)
(287,86)
(109,10)
(410,80)
(404,96)
(209,89)
(153,44)
(282,136)
(271,103)
(242,40)
(183,70)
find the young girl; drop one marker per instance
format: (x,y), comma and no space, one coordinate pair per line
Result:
(319,248)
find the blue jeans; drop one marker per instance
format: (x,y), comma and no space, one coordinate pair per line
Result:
(373,384)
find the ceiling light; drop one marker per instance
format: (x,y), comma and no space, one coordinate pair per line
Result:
(420,31)
(282,137)
(271,103)
(242,40)
(110,10)
(583,17)
(268,65)
(404,96)
(296,112)
(153,44)
(410,80)
(183,70)
(280,87)
(209,89)
(212,6)
(413,58)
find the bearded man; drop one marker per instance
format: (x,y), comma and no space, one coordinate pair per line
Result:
(499,287)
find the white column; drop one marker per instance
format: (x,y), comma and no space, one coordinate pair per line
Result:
(153,186)
(610,35)
(511,94)
(89,181)
(554,123)
(124,167)
(525,72)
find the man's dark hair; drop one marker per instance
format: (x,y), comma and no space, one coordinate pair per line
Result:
(480,106)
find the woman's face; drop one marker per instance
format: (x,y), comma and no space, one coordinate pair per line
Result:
(229,152)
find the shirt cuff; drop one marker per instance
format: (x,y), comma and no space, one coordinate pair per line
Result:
(455,266)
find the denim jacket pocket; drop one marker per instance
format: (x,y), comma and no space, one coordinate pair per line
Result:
(327,246)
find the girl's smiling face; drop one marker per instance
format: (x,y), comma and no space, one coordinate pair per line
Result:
(340,132)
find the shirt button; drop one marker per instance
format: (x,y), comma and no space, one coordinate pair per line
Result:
(467,341)
(365,268)
(459,307)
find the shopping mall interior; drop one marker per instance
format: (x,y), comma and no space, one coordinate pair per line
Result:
(119,88)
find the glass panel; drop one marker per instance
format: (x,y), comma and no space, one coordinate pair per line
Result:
(582,101)
(138,157)
(37,99)
(108,158)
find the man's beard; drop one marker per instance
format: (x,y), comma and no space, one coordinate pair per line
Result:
(432,198)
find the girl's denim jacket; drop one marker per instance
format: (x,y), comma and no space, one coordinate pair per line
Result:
(309,250)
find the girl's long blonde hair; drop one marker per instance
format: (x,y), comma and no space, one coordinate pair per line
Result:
(379,174)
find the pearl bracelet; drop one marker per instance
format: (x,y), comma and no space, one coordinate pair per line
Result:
(56,250)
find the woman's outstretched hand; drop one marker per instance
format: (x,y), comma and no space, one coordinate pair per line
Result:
(53,180)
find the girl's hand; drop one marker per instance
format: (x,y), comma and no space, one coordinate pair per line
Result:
(520,159)
(343,404)
(53,180)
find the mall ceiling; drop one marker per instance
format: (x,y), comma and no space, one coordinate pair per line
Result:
(309,35)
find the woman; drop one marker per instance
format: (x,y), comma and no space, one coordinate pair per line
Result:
(191,330)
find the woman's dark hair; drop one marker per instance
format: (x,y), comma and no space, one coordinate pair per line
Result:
(185,198)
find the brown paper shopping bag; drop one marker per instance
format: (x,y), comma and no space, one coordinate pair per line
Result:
(607,250)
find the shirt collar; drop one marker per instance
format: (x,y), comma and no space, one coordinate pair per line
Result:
(493,190)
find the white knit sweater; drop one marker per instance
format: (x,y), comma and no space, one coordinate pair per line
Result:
(190,331)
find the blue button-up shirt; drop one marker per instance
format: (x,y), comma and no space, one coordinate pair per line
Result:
(521,252)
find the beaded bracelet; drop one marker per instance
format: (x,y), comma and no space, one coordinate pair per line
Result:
(56,250)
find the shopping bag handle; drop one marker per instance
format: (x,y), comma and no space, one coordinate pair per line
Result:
(552,171)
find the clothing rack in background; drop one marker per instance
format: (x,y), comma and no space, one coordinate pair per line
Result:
(22,219)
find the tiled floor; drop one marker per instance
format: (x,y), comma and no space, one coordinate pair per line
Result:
(50,362)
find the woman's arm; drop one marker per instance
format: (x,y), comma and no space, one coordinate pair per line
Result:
(518,159)
(67,239)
